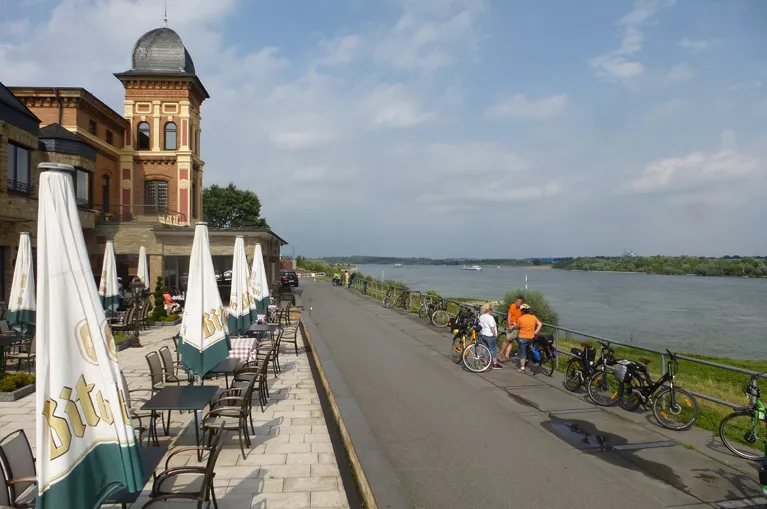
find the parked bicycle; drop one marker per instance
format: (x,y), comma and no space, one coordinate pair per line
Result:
(744,431)
(464,327)
(542,354)
(403,299)
(388,299)
(673,408)
(440,317)
(582,366)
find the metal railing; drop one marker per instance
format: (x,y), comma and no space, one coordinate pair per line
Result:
(378,290)
(16,186)
(146,213)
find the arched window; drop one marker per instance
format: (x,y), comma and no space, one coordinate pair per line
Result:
(105,193)
(142,140)
(170,136)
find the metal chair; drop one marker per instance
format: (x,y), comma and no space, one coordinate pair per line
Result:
(206,494)
(255,370)
(25,353)
(172,368)
(231,411)
(157,376)
(18,463)
(139,415)
(292,335)
(5,494)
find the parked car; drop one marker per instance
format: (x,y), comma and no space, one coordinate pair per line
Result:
(288,278)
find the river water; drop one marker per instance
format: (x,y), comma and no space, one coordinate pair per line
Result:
(704,315)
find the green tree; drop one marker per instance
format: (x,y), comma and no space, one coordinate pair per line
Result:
(540,306)
(230,207)
(537,261)
(158,313)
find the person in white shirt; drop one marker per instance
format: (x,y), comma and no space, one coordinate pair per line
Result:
(489,333)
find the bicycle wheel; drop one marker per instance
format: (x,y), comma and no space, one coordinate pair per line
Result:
(628,394)
(501,342)
(477,358)
(440,318)
(573,375)
(744,434)
(603,388)
(423,312)
(457,351)
(547,364)
(675,409)
(387,302)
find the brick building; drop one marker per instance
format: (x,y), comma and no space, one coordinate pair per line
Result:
(139,175)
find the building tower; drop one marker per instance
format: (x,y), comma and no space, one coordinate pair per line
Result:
(161,169)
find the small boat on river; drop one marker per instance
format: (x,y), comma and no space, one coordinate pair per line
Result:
(473,267)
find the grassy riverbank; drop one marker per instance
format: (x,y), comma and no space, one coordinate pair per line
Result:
(670,265)
(714,382)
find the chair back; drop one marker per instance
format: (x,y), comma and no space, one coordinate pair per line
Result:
(215,450)
(17,461)
(4,327)
(5,496)
(155,369)
(32,346)
(128,316)
(167,363)
(127,390)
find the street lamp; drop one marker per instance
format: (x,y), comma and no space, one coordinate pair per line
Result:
(137,290)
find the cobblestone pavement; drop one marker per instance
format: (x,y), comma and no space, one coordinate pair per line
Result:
(290,464)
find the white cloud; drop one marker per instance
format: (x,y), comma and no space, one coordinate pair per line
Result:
(392,106)
(698,45)
(697,168)
(301,140)
(666,109)
(678,74)
(621,63)
(518,105)
(745,85)
(340,50)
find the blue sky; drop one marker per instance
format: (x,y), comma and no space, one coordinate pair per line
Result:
(455,127)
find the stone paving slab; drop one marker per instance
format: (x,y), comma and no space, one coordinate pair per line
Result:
(291,463)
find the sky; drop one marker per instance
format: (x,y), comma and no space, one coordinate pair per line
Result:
(455,128)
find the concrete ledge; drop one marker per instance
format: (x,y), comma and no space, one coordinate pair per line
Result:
(7,397)
(378,484)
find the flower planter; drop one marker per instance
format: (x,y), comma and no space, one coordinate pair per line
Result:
(7,397)
(125,344)
(165,324)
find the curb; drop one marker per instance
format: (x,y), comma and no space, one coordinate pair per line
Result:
(378,485)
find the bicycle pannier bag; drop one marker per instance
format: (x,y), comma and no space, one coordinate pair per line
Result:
(621,369)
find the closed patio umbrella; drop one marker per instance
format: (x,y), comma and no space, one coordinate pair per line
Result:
(143,267)
(85,444)
(21,309)
(259,285)
(239,316)
(204,335)
(108,289)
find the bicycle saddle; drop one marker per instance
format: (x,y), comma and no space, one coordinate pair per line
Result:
(645,361)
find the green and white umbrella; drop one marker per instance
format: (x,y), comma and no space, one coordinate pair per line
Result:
(143,267)
(259,285)
(204,334)
(85,444)
(239,316)
(21,309)
(108,289)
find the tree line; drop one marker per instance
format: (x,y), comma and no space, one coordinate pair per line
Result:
(671,265)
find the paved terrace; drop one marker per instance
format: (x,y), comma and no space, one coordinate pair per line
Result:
(291,463)
(503,439)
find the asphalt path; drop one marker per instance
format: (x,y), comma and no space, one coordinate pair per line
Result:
(454,439)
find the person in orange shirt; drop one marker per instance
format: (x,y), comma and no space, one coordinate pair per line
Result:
(528,325)
(514,314)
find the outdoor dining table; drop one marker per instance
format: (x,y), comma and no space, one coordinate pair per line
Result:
(150,460)
(243,348)
(257,328)
(226,367)
(185,397)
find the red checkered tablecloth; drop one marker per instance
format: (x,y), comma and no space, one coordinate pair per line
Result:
(244,348)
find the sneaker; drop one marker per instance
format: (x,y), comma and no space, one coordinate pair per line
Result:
(497,366)
(520,370)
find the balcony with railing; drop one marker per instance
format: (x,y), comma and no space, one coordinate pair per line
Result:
(16,186)
(138,213)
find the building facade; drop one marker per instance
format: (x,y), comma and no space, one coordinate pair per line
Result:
(139,175)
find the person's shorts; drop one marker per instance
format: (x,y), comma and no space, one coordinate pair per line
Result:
(514,334)
(523,347)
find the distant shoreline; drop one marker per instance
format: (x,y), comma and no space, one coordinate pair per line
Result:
(656,273)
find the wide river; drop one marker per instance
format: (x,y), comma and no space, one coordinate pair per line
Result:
(705,315)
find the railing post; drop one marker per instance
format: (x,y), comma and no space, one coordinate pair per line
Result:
(556,345)
(662,364)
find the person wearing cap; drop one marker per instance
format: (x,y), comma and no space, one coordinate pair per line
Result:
(528,325)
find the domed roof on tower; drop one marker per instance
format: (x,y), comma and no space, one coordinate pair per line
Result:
(161,51)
